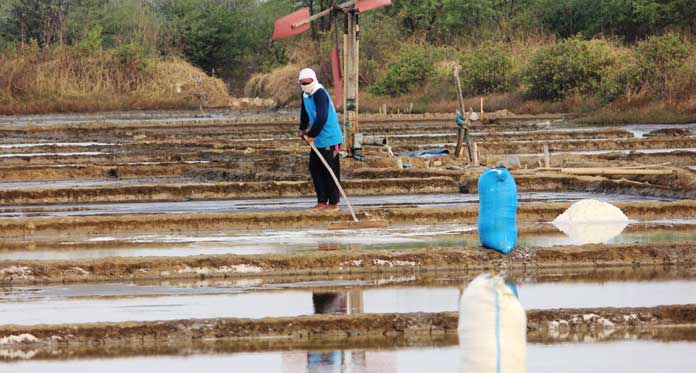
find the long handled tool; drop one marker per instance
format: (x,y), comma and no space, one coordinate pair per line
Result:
(356,223)
(462,133)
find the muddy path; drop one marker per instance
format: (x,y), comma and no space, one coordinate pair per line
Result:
(431,258)
(383,343)
(543,326)
(208,191)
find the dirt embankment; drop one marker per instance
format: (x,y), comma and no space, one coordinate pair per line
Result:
(543,326)
(431,258)
(240,190)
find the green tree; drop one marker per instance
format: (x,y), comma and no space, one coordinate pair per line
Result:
(572,66)
(410,72)
(660,57)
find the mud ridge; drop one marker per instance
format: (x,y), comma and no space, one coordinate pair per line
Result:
(238,190)
(404,262)
(332,327)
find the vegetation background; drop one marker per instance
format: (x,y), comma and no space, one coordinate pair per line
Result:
(621,60)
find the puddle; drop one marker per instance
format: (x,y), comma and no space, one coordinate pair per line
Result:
(141,116)
(68,154)
(59,304)
(640,130)
(250,242)
(549,240)
(301,203)
(625,356)
(40,144)
(84,183)
(601,152)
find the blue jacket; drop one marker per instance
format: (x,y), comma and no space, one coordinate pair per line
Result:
(318,111)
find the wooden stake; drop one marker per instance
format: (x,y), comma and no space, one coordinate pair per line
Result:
(547,156)
(475,161)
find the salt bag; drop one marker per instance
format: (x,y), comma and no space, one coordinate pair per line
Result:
(497,219)
(492,328)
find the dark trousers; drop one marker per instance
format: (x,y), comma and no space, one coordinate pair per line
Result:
(326,188)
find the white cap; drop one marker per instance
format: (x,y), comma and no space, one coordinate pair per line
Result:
(307,73)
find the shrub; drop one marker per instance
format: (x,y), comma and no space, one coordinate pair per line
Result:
(572,66)
(486,70)
(660,58)
(410,72)
(131,56)
(683,85)
(92,42)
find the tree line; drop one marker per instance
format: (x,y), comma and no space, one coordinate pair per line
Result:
(231,38)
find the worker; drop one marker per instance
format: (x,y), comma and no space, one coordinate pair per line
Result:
(465,124)
(319,124)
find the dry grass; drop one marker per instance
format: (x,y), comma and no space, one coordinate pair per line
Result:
(646,109)
(280,85)
(61,79)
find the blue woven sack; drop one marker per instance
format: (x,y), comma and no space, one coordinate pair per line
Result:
(497,220)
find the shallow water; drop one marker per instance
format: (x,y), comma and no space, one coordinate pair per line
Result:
(85,183)
(626,356)
(67,154)
(251,242)
(58,144)
(139,116)
(622,151)
(301,203)
(59,304)
(640,130)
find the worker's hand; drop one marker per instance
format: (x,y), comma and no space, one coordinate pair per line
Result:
(310,140)
(302,133)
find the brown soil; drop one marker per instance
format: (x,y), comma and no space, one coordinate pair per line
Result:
(171,192)
(431,258)
(319,328)
(670,132)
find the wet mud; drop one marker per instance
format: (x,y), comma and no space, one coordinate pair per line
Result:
(431,258)
(543,327)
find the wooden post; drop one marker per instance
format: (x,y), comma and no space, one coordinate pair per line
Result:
(482,106)
(355,301)
(351,52)
(547,156)
(475,161)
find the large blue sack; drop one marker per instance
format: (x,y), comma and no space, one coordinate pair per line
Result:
(497,220)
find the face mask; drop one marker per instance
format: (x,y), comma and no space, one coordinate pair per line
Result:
(310,88)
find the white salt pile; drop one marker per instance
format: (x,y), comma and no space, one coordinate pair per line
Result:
(591,221)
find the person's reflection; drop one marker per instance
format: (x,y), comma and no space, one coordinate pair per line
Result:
(327,303)
(492,327)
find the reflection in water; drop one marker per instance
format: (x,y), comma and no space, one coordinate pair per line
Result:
(589,233)
(343,303)
(492,327)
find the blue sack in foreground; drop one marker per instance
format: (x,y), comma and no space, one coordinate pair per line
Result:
(497,220)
